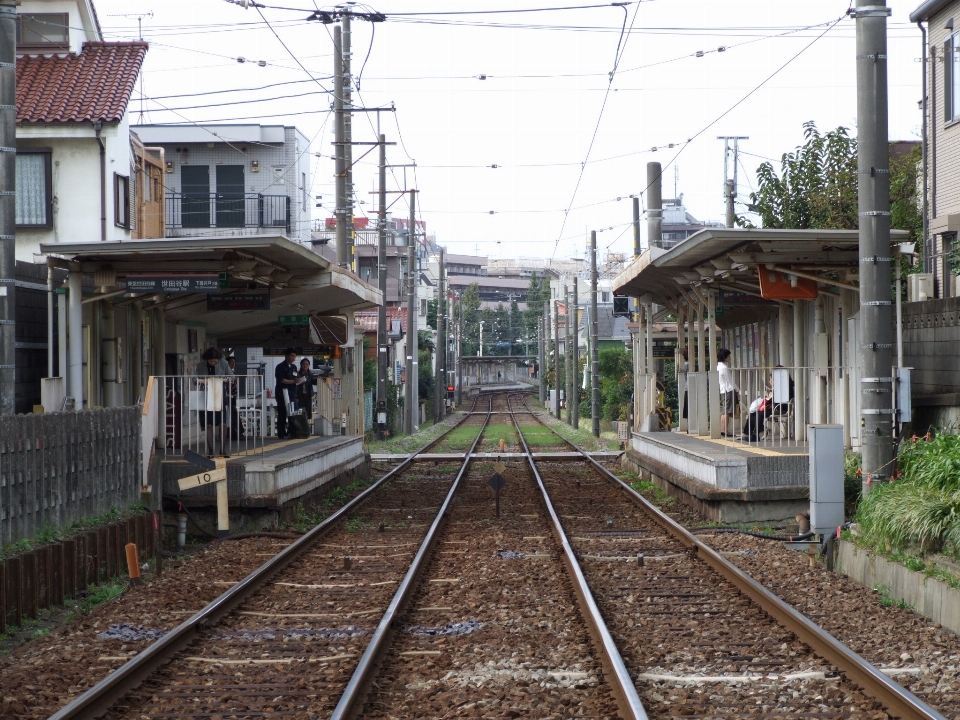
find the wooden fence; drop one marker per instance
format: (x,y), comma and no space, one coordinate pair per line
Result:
(57,468)
(49,575)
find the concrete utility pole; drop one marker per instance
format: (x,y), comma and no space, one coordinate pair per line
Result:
(382,350)
(8,185)
(339,151)
(876,407)
(441,379)
(410,397)
(556,355)
(730,184)
(594,331)
(347,115)
(654,205)
(542,352)
(575,353)
(567,377)
(636,223)
(459,346)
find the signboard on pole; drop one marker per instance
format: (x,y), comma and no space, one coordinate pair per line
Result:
(294,320)
(239,301)
(174,283)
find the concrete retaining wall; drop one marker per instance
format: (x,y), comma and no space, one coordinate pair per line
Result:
(57,468)
(928,596)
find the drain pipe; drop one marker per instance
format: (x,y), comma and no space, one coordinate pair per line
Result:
(98,128)
(927,264)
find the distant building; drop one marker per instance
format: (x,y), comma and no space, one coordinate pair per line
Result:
(678,224)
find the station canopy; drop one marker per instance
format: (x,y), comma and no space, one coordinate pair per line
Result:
(241,287)
(731,260)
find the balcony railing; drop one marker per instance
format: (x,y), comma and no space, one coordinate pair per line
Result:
(218,210)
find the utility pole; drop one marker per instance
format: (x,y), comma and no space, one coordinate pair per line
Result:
(556,354)
(575,353)
(8,185)
(730,184)
(594,330)
(654,205)
(459,345)
(410,399)
(347,115)
(636,222)
(567,354)
(382,349)
(542,351)
(441,378)
(873,186)
(339,152)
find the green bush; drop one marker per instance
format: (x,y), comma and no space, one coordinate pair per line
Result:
(921,508)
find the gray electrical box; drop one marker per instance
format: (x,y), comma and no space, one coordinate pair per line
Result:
(826,478)
(904,399)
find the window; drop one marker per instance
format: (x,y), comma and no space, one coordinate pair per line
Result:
(951,78)
(121,200)
(34,203)
(43,31)
(604,296)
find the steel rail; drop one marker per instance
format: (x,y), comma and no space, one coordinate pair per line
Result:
(615,669)
(351,701)
(895,698)
(98,699)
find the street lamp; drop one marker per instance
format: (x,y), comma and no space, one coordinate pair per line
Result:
(480,350)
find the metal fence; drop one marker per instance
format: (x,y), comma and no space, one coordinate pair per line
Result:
(773,406)
(211,414)
(217,210)
(56,468)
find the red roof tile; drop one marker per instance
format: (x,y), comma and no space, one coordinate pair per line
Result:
(94,85)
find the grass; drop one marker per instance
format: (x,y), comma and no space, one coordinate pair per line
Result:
(500,431)
(584,438)
(406,444)
(100,594)
(887,600)
(309,516)
(919,510)
(50,534)
(539,436)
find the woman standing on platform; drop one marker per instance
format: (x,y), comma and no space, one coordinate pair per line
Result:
(728,391)
(215,398)
(305,389)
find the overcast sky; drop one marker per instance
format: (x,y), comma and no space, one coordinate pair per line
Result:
(539,108)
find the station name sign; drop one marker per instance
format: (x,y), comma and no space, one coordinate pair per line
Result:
(239,301)
(174,283)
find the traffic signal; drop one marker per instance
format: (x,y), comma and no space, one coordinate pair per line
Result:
(621,306)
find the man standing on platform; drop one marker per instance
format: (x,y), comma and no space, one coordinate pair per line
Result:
(286,390)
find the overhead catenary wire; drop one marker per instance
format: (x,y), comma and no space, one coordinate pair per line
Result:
(621,48)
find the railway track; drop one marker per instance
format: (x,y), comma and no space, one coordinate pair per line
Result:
(415,601)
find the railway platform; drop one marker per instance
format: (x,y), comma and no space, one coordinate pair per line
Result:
(283,473)
(725,481)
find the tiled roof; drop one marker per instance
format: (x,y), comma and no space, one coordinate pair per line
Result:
(94,85)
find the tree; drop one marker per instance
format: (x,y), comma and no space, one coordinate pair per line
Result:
(816,187)
(470,307)
(426,382)
(537,294)
(616,383)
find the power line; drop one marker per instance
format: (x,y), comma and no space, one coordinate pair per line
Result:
(621,48)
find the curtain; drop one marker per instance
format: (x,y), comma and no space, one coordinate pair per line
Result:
(31,186)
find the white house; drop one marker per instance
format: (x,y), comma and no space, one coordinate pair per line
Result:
(234,179)
(73,140)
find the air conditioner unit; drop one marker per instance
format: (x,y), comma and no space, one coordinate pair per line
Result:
(919,287)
